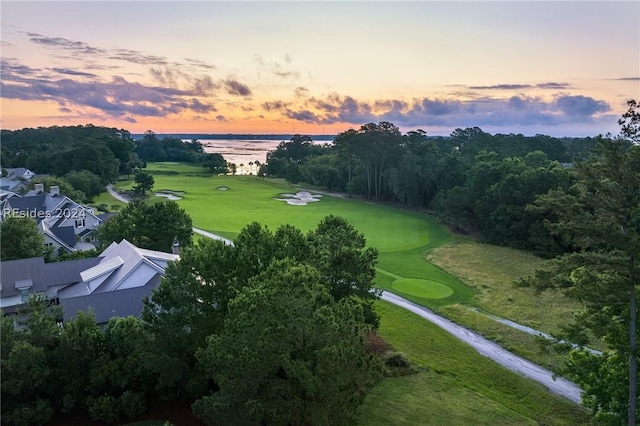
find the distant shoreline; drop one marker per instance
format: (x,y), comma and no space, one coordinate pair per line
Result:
(235,136)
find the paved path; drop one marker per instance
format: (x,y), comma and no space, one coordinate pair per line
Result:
(492,350)
(116,194)
(213,236)
(484,346)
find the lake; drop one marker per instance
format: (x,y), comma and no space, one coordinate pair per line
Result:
(240,151)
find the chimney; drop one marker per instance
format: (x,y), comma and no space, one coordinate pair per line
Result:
(39,188)
(175,247)
(54,190)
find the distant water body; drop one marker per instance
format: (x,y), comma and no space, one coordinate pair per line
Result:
(241,151)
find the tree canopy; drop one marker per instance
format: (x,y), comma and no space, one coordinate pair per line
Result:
(20,239)
(598,218)
(288,354)
(151,226)
(251,332)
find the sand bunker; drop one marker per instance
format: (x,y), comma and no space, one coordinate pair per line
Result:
(223,188)
(302,198)
(171,195)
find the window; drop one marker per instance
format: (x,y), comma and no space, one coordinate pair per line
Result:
(79,223)
(24,294)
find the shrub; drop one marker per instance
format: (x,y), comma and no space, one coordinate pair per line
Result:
(397,364)
(132,404)
(105,408)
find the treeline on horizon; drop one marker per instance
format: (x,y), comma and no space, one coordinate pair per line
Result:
(476,182)
(84,158)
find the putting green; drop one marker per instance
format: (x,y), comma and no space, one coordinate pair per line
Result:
(422,288)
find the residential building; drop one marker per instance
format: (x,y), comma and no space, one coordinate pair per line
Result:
(112,284)
(15,179)
(66,225)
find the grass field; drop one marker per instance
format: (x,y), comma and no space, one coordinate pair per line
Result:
(456,386)
(420,260)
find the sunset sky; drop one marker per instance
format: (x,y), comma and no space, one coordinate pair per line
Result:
(556,68)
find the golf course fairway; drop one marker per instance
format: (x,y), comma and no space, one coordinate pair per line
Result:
(452,374)
(402,236)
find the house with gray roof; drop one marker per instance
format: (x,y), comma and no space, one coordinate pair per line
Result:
(15,179)
(112,284)
(66,225)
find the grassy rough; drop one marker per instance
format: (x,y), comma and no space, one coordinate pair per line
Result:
(460,387)
(492,271)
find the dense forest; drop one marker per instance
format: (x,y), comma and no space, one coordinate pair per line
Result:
(270,330)
(477,182)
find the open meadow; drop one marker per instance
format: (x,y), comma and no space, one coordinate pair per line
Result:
(405,238)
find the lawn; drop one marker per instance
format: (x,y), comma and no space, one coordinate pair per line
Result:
(249,198)
(420,260)
(457,386)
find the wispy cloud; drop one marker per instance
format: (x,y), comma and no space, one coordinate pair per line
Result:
(176,88)
(200,64)
(275,105)
(116,98)
(76,47)
(276,68)
(547,85)
(234,87)
(69,71)
(137,57)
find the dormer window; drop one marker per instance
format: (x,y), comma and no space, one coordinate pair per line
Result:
(79,223)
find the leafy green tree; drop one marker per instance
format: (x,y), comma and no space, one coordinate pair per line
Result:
(87,182)
(345,263)
(599,218)
(189,304)
(322,170)
(215,163)
(288,354)
(120,376)
(90,155)
(80,344)
(193,298)
(66,188)
(150,226)
(144,182)
(20,239)
(25,374)
(27,364)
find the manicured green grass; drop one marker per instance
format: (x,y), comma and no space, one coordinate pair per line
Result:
(249,199)
(460,387)
(412,264)
(422,288)
(111,203)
